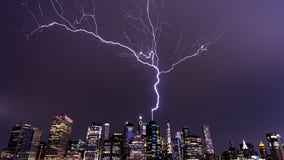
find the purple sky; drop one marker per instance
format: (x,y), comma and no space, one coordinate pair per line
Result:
(236,87)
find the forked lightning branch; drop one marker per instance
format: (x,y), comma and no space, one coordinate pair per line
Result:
(143,17)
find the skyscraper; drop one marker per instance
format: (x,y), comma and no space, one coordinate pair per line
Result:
(208,145)
(177,146)
(106,151)
(140,125)
(137,148)
(58,139)
(20,139)
(35,144)
(247,150)
(169,139)
(262,150)
(185,132)
(193,148)
(106,131)
(116,146)
(76,150)
(153,145)
(112,148)
(275,144)
(128,134)
(93,139)
(24,142)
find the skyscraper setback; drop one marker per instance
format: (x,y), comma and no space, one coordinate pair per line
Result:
(58,139)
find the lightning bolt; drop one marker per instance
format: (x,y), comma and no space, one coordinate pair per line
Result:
(140,17)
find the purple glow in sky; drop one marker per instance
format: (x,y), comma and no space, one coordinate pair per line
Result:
(238,80)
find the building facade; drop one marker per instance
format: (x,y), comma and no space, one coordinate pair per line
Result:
(23,143)
(153,144)
(58,140)
(93,139)
(192,148)
(137,148)
(275,144)
(169,146)
(208,145)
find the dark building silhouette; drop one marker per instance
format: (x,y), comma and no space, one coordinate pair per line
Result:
(231,153)
(153,144)
(185,132)
(247,150)
(128,134)
(262,150)
(275,144)
(23,143)
(35,144)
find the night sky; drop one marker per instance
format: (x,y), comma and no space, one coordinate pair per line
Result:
(236,87)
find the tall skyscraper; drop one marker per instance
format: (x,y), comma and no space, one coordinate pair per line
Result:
(262,150)
(153,145)
(58,140)
(177,146)
(141,128)
(208,145)
(20,139)
(128,133)
(169,139)
(35,144)
(185,132)
(106,130)
(193,148)
(93,139)
(140,125)
(275,144)
(24,142)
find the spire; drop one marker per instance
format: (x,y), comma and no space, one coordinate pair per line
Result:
(244,145)
(261,144)
(140,125)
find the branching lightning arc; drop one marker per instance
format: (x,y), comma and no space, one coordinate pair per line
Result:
(143,17)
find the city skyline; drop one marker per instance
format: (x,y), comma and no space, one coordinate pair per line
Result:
(186,130)
(235,87)
(26,141)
